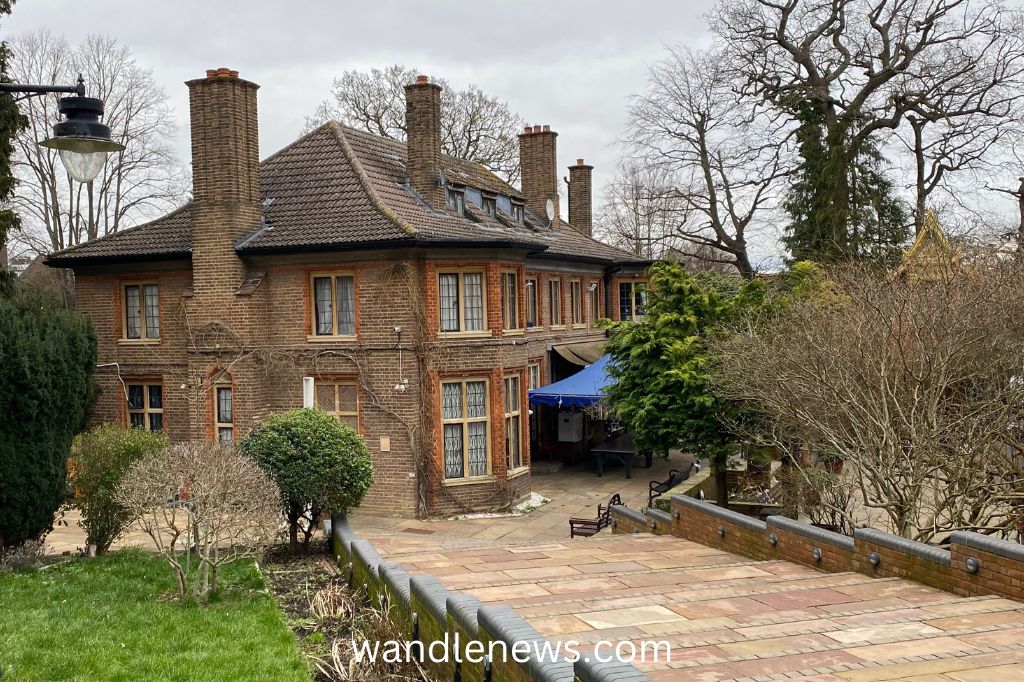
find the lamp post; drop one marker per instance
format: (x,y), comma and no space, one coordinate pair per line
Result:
(81,140)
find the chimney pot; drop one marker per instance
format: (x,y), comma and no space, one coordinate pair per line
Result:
(529,129)
(579,162)
(536,129)
(211,73)
(422,79)
(547,129)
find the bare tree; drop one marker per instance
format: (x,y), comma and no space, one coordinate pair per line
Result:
(201,502)
(474,125)
(640,210)
(727,156)
(865,66)
(140,182)
(916,385)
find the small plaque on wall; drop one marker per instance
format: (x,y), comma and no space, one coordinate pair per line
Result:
(385,443)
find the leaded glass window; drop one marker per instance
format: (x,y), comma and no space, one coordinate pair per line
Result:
(141,311)
(464,417)
(461,301)
(334,305)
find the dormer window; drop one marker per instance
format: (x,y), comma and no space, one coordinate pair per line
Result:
(457,201)
(490,206)
(518,213)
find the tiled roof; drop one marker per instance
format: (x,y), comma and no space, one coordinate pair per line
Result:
(340,188)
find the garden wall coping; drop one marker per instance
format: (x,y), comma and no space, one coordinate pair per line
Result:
(901,544)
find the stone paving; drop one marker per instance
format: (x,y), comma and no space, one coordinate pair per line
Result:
(730,618)
(574,491)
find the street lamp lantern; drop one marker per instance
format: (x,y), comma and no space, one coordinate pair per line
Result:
(81,140)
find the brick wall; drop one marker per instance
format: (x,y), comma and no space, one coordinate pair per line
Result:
(973,565)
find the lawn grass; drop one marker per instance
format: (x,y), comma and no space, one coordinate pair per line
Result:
(103,619)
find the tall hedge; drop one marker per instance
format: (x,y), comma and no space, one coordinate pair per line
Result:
(47,357)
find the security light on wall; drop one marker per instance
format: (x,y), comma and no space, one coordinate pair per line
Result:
(593,287)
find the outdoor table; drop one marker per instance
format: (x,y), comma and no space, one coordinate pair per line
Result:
(621,448)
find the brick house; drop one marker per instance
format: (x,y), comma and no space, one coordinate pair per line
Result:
(414,295)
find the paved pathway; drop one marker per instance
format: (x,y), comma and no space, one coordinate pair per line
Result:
(731,618)
(574,491)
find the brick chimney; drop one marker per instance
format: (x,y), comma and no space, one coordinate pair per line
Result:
(538,161)
(423,127)
(225,179)
(580,210)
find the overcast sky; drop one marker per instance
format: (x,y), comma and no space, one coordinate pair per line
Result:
(572,65)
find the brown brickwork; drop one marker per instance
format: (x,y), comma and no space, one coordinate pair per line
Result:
(423,126)
(246,318)
(539,168)
(580,197)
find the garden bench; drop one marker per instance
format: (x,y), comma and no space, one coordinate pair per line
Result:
(587,527)
(656,487)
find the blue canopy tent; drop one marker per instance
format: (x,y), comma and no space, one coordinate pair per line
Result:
(584,388)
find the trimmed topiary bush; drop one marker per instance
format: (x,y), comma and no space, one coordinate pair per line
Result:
(321,466)
(98,461)
(47,357)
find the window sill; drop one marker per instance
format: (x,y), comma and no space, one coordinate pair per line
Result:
(535,328)
(558,328)
(513,332)
(456,482)
(138,342)
(579,326)
(516,473)
(483,334)
(316,338)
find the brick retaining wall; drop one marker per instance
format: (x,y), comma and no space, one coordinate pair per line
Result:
(974,564)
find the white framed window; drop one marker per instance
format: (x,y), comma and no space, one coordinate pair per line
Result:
(532,319)
(576,301)
(334,304)
(223,414)
(509,300)
(533,376)
(555,301)
(464,424)
(632,300)
(340,399)
(461,301)
(145,405)
(513,423)
(518,213)
(141,311)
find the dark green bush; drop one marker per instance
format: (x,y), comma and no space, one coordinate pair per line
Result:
(47,357)
(98,461)
(321,466)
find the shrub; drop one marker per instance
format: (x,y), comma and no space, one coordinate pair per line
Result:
(203,505)
(47,357)
(98,461)
(27,555)
(321,465)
